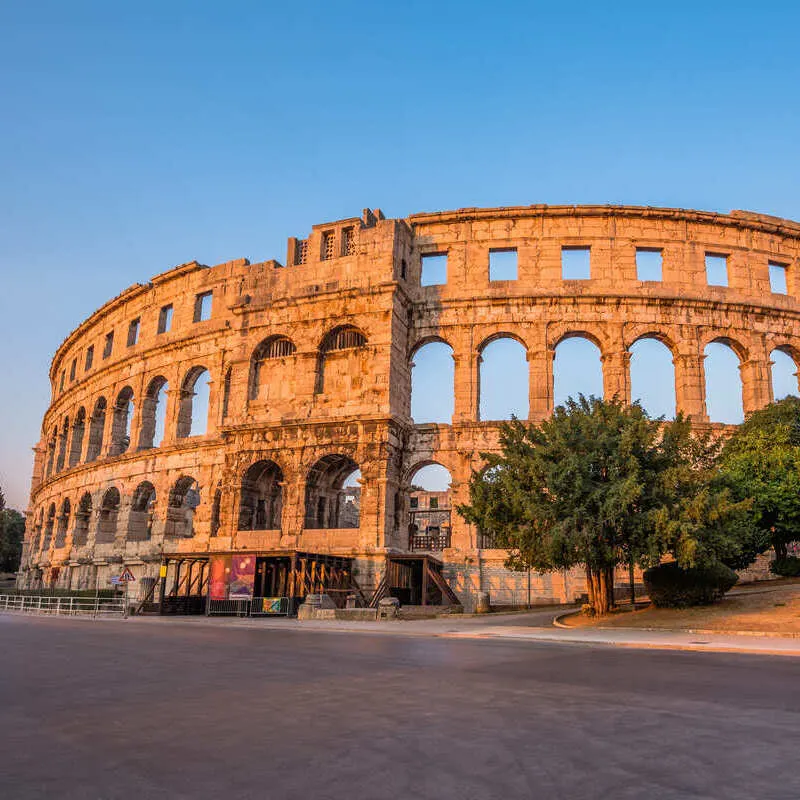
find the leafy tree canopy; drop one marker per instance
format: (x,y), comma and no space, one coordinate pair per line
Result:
(761,460)
(600,483)
(12,530)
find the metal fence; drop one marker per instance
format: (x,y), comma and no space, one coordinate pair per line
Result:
(62,606)
(251,607)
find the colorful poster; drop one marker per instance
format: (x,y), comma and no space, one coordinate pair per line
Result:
(220,577)
(243,576)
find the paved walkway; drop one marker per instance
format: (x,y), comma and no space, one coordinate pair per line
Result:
(535,626)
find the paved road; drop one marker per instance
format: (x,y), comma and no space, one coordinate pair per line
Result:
(111,709)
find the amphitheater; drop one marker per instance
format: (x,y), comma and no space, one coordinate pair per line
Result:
(245,429)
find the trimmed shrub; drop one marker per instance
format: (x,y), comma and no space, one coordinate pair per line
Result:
(670,586)
(788,567)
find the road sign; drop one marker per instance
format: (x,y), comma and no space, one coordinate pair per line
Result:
(114,580)
(126,576)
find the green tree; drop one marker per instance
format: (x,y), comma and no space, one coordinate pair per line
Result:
(761,461)
(599,484)
(12,531)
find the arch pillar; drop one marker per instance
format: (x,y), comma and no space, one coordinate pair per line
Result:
(756,384)
(617,375)
(690,388)
(540,383)
(465,387)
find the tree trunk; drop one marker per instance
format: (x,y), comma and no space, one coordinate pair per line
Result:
(600,584)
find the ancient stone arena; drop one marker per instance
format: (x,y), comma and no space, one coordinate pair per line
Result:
(246,429)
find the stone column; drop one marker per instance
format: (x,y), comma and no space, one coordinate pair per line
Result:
(617,375)
(756,384)
(540,384)
(465,387)
(690,388)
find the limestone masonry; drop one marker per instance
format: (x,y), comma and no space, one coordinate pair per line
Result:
(307,369)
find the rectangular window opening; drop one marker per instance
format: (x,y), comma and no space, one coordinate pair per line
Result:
(202,307)
(434,502)
(301,252)
(89,358)
(503,265)
(777,278)
(576,263)
(716,269)
(348,242)
(165,319)
(434,269)
(328,246)
(61,380)
(133,332)
(108,345)
(73,369)
(648,264)
(413,502)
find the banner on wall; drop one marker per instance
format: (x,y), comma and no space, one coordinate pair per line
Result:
(243,576)
(220,577)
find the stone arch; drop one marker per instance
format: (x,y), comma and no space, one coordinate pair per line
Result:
(784,363)
(62,445)
(96,427)
(76,440)
(63,523)
(142,513)
(427,503)
(121,422)
(184,498)
(261,497)
(562,331)
(723,381)
(272,349)
(194,403)
(49,525)
(83,516)
(503,378)
(108,517)
(652,375)
(432,368)
(332,496)
(577,367)
(154,413)
(342,360)
(741,350)
(50,459)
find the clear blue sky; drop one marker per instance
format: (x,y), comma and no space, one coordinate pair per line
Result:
(138,136)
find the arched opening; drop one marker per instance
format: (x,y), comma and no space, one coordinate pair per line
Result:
(653,377)
(503,380)
(154,413)
(429,508)
(723,384)
(76,442)
(266,362)
(333,493)
(193,411)
(433,384)
(784,374)
(62,445)
(36,538)
(96,427)
(107,521)
(82,518)
(63,523)
(215,512)
(261,500)
(184,498)
(142,513)
(51,453)
(48,526)
(121,424)
(226,391)
(577,369)
(343,362)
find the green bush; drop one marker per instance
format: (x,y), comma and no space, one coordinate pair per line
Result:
(788,567)
(670,586)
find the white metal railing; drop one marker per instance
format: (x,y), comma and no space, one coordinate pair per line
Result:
(63,606)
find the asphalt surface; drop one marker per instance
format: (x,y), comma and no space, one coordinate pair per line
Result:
(115,709)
